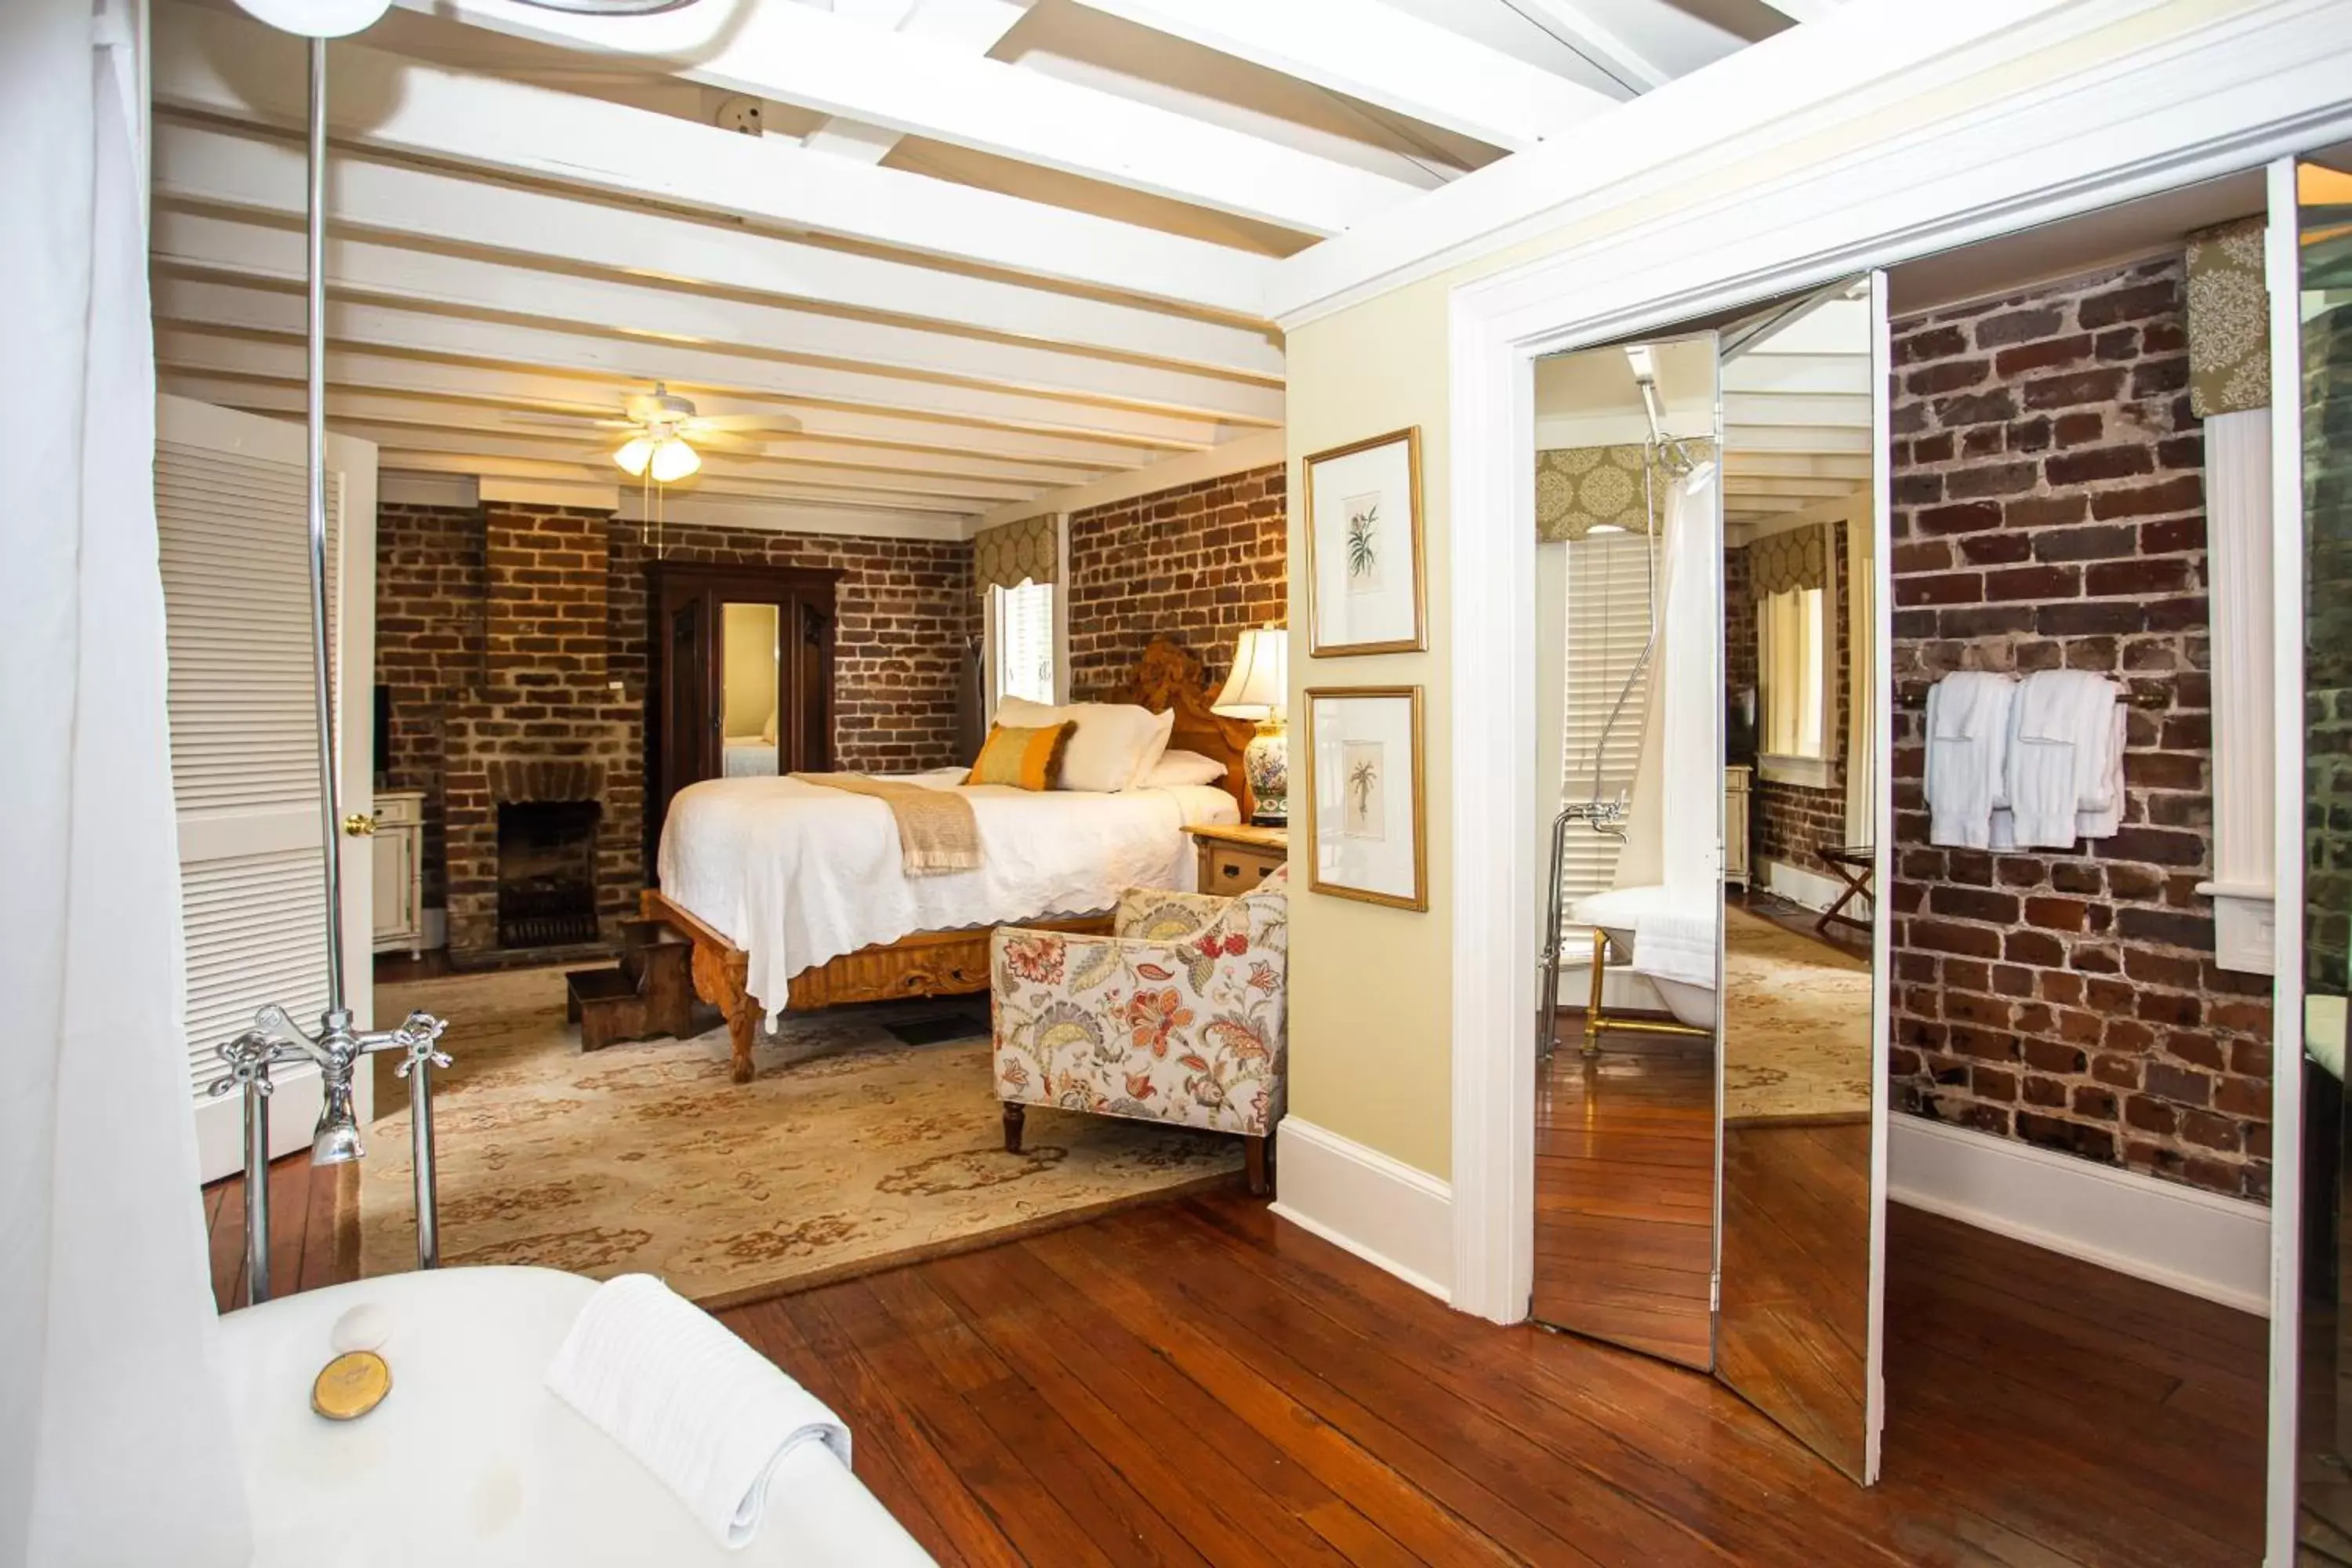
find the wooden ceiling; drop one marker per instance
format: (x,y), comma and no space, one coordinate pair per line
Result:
(960,253)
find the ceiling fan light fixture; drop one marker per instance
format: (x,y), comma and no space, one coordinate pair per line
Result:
(673,460)
(634,455)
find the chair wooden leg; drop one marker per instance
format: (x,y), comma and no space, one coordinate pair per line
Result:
(1253,1162)
(1593,1002)
(1014,1112)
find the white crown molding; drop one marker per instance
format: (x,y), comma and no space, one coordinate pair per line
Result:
(399,487)
(1871,57)
(1260,450)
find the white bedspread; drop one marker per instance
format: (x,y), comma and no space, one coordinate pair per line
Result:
(797,875)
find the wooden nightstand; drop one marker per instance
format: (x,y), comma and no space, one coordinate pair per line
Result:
(1235,859)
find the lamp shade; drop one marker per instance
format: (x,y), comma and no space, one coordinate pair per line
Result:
(317,18)
(634,455)
(1260,682)
(673,460)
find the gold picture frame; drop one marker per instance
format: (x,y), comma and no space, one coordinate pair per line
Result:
(1354,831)
(1328,637)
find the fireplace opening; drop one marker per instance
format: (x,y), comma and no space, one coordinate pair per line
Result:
(547,872)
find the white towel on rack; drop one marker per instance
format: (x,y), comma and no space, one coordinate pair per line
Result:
(1676,942)
(2099,814)
(2063,740)
(1968,745)
(707,1413)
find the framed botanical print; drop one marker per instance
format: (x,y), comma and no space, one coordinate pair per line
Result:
(1367,820)
(1363,547)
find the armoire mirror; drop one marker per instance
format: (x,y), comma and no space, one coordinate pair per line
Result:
(741,677)
(1709,725)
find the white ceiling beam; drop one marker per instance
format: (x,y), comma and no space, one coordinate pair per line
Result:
(593,450)
(911,83)
(358,268)
(197,351)
(1573,23)
(220,64)
(1796,465)
(490,464)
(201,164)
(1846,374)
(1850,410)
(1383,56)
(1745,438)
(972,27)
(289,399)
(197,302)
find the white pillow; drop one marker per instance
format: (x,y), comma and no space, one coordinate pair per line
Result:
(1185,768)
(1114,744)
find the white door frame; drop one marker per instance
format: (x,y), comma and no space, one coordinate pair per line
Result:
(2248,89)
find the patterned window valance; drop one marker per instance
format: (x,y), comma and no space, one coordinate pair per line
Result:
(1579,489)
(1015,553)
(1790,560)
(2228,320)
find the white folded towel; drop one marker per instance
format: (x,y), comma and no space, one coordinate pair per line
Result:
(2099,814)
(2059,755)
(706,1412)
(1677,943)
(1968,745)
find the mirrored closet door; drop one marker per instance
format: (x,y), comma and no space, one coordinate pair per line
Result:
(1710,721)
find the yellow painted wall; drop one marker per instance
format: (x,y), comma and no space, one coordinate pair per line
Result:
(1371,988)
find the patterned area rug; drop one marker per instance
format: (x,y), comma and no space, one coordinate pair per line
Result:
(1796,1035)
(850,1150)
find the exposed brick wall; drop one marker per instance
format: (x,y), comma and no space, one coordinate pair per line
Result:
(500,631)
(1198,564)
(428,649)
(2049,513)
(542,723)
(903,609)
(2327,658)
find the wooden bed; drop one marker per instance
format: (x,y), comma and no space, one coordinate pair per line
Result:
(948,963)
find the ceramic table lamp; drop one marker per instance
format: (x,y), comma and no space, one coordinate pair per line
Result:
(1258,689)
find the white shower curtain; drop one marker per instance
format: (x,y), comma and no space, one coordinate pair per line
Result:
(115,1444)
(1677,780)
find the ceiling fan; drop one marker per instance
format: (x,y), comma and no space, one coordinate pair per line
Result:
(662,433)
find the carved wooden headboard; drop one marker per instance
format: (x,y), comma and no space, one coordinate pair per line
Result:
(1167,677)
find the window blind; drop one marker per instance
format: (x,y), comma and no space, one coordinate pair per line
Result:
(1608,627)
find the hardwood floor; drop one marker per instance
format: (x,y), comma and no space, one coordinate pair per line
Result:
(1625,1191)
(1198,1382)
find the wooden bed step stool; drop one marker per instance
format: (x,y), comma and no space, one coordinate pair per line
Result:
(649,992)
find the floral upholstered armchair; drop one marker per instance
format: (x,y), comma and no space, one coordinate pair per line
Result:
(1178,1015)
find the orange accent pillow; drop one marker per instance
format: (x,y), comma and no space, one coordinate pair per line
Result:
(1024,759)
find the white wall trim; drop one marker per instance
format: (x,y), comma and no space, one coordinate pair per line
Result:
(401,486)
(2283,264)
(2240,528)
(1262,449)
(2218,98)
(2215,1248)
(1383,1210)
(1801,886)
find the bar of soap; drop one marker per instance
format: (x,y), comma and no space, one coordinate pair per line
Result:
(365,1327)
(350,1385)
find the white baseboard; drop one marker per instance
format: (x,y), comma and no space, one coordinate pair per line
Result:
(1799,886)
(2208,1246)
(1383,1210)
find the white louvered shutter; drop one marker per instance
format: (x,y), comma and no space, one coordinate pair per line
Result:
(234,542)
(1608,624)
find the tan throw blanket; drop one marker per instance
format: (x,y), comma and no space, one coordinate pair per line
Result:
(937,831)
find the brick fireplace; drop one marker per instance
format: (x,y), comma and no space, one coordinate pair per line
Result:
(542,843)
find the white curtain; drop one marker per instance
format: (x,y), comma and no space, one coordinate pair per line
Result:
(1678,776)
(115,1444)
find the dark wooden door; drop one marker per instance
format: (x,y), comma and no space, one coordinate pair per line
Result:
(685,692)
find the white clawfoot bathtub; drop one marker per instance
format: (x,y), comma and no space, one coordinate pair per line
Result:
(470,1460)
(1617,912)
